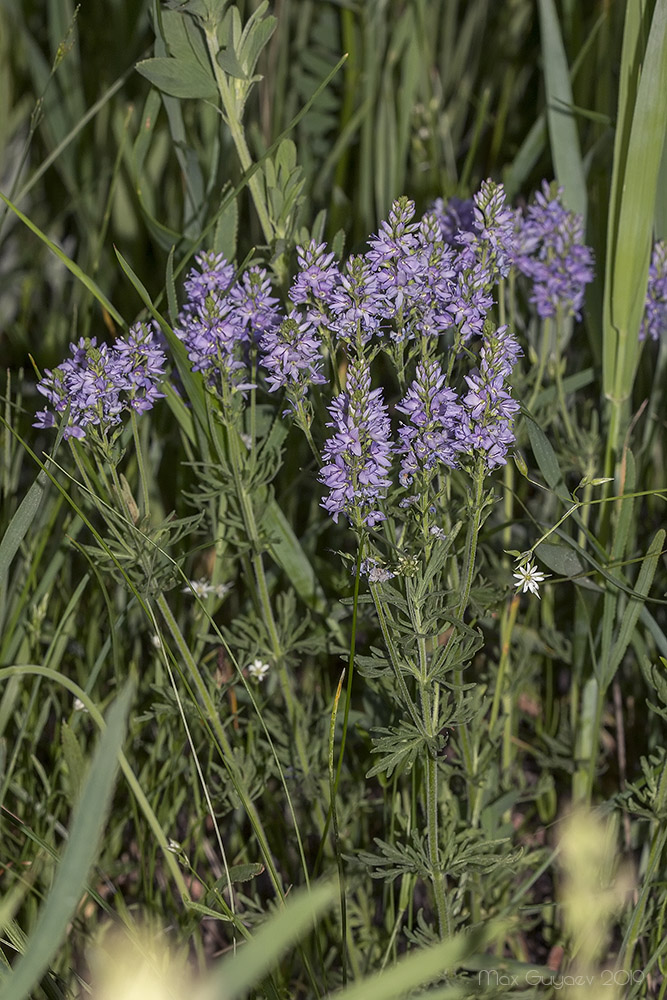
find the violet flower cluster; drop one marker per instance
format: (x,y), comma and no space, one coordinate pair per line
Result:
(357,456)
(437,430)
(417,280)
(489,405)
(222,317)
(551,252)
(100,383)
(442,427)
(654,322)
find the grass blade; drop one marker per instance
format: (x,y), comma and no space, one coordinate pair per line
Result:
(563,135)
(78,856)
(637,155)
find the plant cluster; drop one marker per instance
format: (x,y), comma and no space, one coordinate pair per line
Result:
(280,559)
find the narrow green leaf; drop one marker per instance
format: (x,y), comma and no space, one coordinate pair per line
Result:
(640,140)
(565,561)
(287,552)
(563,135)
(634,605)
(226,230)
(74,759)
(546,459)
(78,856)
(170,288)
(184,78)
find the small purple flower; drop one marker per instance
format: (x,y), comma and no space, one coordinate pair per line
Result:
(291,356)
(375,571)
(436,432)
(357,456)
(552,253)
(654,322)
(214,277)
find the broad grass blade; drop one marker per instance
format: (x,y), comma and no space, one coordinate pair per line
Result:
(640,139)
(563,135)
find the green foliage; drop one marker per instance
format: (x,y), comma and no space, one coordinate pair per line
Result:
(472,717)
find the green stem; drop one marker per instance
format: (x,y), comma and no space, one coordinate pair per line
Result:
(506,627)
(633,931)
(229,105)
(471,540)
(140,463)
(544,353)
(437,876)
(561,399)
(468,573)
(429,716)
(336,832)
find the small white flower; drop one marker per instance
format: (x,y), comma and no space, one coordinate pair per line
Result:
(529,578)
(258,669)
(200,588)
(156,641)
(79,705)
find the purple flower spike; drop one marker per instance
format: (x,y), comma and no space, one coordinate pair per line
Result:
(317,278)
(291,356)
(253,303)
(654,323)
(492,236)
(437,428)
(99,383)
(357,457)
(552,253)
(490,407)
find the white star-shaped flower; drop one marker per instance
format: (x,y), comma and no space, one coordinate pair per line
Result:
(529,578)
(200,588)
(258,669)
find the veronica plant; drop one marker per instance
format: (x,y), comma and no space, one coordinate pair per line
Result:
(396,366)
